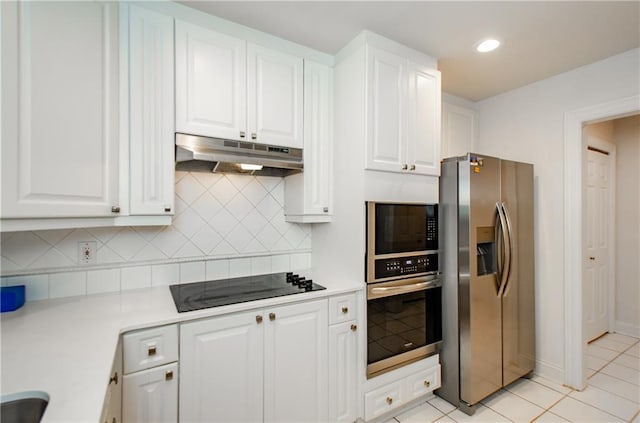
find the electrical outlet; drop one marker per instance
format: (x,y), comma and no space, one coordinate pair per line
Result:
(87,252)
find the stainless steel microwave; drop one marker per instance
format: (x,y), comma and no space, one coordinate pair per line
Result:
(402,241)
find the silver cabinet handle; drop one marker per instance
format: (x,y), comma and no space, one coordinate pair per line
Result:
(325,209)
(167,209)
(405,166)
(115,209)
(254,136)
(242,134)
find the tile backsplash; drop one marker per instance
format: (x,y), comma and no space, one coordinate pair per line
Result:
(224,225)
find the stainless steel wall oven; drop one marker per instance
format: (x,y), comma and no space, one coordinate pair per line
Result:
(404,292)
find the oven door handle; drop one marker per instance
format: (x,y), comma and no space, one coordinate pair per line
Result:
(385,291)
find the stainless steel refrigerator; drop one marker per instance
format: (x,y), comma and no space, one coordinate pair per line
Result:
(486,210)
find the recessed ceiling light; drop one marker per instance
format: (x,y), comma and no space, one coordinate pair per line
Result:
(487,45)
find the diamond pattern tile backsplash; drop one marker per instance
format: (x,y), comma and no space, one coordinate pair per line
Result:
(217,216)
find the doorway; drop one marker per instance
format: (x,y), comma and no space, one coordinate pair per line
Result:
(599,171)
(574,147)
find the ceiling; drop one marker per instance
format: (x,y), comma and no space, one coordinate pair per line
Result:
(539,39)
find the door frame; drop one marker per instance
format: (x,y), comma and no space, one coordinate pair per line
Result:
(574,121)
(609,148)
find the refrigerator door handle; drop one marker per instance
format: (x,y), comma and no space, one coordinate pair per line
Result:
(506,245)
(510,251)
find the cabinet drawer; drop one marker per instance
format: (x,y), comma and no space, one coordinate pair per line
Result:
(148,348)
(423,382)
(383,399)
(342,308)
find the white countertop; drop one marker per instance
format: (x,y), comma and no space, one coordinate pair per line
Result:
(65,347)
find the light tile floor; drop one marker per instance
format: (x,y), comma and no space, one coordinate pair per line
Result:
(612,394)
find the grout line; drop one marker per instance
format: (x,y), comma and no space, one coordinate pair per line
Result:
(635,415)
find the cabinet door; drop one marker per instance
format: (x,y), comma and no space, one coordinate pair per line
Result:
(151,395)
(210,83)
(274,90)
(151,128)
(59,109)
(221,369)
(295,360)
(343,372)
(386,115)
(308,195)
(458,130)
(423,143)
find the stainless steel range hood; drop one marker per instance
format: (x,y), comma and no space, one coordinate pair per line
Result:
(203,154)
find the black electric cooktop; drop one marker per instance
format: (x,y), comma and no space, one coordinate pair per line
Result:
(199,295)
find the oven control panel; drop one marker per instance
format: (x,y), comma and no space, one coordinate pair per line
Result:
(405,266)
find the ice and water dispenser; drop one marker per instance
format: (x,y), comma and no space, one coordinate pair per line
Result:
(486,247)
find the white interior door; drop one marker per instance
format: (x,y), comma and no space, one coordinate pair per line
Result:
(596,275)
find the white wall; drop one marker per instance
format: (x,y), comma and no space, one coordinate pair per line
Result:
(626,136)
(527,124)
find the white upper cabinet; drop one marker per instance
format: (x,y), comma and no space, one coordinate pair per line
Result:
(458,130)
(210,83)
(309,194)
(423,146)
(274,106)
(386,113)
(151,117)
(403,114)
(228,88)
(59,109)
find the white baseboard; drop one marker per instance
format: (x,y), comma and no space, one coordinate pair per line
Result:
(629,329)
(550,371)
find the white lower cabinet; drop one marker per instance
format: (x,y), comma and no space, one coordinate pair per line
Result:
(262,365)
(112,408)
(343,386)
(150,383)
(151,395)
(392,390)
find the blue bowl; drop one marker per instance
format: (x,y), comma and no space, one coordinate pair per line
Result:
(11,298)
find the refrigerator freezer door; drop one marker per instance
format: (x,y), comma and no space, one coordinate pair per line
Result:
(479,304)
(518,323)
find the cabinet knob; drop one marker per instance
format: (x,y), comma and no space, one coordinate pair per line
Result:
(427,383)
(152,351)
(405,166)
(389,400)
(254,136)
(272,316)
(413,167)
(258,319)
(242,134)
(325,209)
(345,310)
(114,379)
(168,375)
(354,328)
(115,209)
(167,209)
(592,258)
